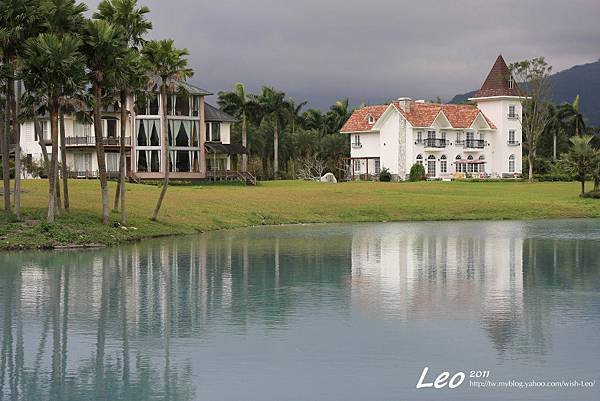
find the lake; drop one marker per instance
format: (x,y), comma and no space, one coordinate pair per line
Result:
(315,312)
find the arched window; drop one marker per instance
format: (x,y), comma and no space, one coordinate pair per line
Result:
(431,166)
(511,164)
(420,160)
(460,167)
(470,166)
(482,165)
(443,164)
(470,157)
(370,119)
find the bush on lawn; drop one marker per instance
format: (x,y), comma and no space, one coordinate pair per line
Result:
(385,175)
(417,172)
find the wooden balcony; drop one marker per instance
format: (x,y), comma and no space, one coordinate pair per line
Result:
(74,141)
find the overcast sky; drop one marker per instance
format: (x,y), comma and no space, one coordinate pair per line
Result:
(371,51)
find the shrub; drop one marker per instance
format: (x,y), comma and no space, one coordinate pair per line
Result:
(11,169)
(592,194)
(385,175)
(417,172)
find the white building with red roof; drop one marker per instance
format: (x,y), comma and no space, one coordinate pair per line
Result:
(482,139)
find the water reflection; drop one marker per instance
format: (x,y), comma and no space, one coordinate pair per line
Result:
(129,323)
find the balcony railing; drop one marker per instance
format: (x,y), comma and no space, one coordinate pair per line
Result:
(472,143)
(92,174)
(356,145)
(513,143)
(433,142)
(513,116)
(91,141)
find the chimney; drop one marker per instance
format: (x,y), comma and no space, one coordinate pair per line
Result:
(404,103)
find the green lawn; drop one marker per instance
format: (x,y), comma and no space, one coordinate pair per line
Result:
(189,209)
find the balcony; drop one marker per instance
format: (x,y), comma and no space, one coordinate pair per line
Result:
(513,116)
(356,145)
(513,143)
(435,143)
(471,144)
(91,141)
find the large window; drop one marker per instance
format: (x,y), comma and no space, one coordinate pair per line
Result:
(356,142)
(83,162)
(460,167)
(511,137)
(420,160)
(112,162)
(443,164)
(110,127)
(213,132)
(377,166)
(148,141)
(431,166)
(184,154)
(512,113)
(83,129)
(356,165)
(419,137)
(182,105)
(511,164)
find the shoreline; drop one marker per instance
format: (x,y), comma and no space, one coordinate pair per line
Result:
(197,209)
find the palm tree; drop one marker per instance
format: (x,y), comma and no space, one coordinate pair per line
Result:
(294,113)
(61,17)
(273,107)
(581,156)
(55,67)
(238,104)
(104,50)
(337,115)
(168,63)
(19,21)
(571,116)
(127,14)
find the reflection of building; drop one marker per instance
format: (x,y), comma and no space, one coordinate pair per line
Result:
(431,271)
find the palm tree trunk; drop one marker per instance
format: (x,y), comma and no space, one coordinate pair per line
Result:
(276,150)
(17,135)
(120,195)
(51,170)
(42,142)
(554,146)
(5,152)
(165,135)
(100,152)
(63,160)
(244,142)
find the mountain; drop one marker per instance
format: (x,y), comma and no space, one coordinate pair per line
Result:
(582,80)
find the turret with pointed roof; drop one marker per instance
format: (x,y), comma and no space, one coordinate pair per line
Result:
(499,82)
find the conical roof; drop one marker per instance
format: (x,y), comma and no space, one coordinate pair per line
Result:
(499,82)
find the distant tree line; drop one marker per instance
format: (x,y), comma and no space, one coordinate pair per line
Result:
(284,139)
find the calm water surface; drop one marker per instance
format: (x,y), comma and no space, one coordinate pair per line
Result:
(326,312)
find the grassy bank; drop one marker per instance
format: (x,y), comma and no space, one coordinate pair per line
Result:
(189,209)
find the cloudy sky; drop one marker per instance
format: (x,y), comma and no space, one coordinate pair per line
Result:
(371,50)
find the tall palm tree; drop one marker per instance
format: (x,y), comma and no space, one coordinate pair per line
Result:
(238,104)
(169,63)
(104,51)
(294,113)
(19,21)
(337,115)
(62,17)
(55,67)
(572,117)
(273,107)
(127,14)
(581,156)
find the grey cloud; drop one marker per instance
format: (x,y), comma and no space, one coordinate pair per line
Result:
(371,50)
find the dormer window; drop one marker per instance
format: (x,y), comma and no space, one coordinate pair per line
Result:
(511,82)
(370,119)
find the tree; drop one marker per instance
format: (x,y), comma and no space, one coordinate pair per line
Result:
(273,107)
(127,14)
(571,117)
(62,17)
(536,74)
(19,21)
(55,67)
(104,51)
(168,63)
(582,156)
(238,104)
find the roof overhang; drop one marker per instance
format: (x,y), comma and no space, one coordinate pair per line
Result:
(504,97)
(360,132)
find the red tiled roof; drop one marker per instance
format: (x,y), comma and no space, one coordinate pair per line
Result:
(359,120)
(420,115)
(496,83)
